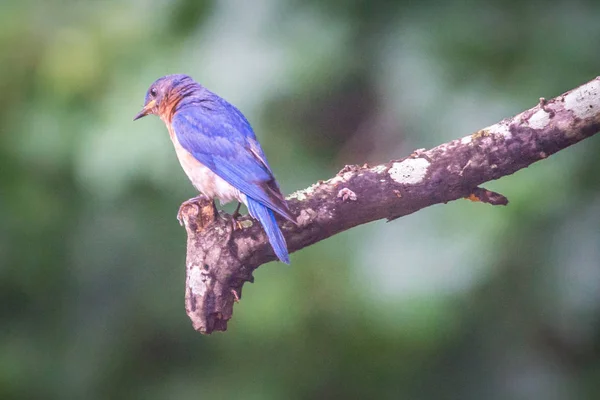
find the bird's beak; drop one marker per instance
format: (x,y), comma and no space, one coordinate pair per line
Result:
(146,110)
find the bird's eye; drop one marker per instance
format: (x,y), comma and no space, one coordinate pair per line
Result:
(153,92)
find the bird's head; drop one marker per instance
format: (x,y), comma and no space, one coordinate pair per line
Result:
(165,93)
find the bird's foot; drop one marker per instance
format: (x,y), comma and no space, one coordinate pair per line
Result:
(235,224)
(234,218)
(190,202)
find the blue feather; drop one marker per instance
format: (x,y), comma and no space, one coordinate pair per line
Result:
(267,219)
(219,136)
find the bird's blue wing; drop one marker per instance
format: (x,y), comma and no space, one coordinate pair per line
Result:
(218,135)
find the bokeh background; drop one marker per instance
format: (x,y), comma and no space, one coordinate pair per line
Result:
(460,301)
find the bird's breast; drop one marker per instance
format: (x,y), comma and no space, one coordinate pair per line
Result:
(203,179)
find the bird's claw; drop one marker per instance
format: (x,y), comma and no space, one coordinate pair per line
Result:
(235,224)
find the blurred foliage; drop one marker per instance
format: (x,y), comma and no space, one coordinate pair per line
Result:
(457,301)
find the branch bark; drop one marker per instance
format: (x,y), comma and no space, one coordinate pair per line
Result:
(220,261)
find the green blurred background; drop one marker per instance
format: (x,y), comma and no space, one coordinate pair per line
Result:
(460,301)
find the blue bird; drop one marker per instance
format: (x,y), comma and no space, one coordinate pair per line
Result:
(218,151)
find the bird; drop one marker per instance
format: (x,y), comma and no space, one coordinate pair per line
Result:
(219,152)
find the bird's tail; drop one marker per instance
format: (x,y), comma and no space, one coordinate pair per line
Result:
(267,219)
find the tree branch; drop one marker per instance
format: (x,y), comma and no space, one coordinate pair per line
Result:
(219,261)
